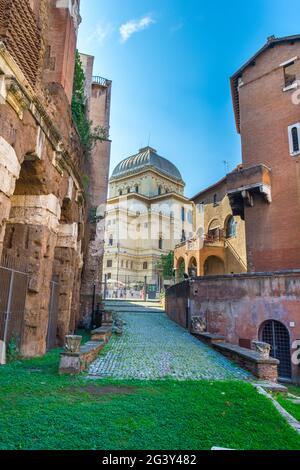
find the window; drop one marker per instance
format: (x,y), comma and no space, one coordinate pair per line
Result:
(294,139)
(215,199)
(183,236)
(137,189)
(122,263)
(290,75)
(109,263)
(182,214)
(231,228)
(160,243)
(120,192)
(145,265)
(111,240)
(127,264)
(159,190)
(108,275)
(128,190)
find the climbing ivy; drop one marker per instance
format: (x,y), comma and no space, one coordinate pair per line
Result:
(89,135)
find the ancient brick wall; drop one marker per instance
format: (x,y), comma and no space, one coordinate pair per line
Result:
(21,35)
(237,306)
(42,205)
(177,301)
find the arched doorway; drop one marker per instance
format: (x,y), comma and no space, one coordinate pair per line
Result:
(214,266)
(277,335)
(193,267)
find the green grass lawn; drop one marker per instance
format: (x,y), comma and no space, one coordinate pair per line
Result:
(292,408)
(41,410)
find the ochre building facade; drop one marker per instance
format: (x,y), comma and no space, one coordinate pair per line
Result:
(218,243)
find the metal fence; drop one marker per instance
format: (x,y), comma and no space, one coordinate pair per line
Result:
(13,291)
(127,287)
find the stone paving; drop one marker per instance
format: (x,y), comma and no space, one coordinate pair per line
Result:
(153,347)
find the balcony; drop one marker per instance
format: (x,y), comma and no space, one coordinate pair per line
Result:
(247,183)
(101,81)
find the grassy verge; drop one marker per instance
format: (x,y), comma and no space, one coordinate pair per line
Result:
(41,410)
(287,403)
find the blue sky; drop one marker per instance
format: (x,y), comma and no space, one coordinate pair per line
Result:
(170,63)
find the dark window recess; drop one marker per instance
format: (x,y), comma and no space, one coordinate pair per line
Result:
(160,243)
(290,75)
(109,263)
(295,137)
(145,265)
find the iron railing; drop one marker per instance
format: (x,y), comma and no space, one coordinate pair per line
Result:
(101,81)
(13,292)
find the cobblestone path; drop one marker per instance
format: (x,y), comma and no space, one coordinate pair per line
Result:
(153,347)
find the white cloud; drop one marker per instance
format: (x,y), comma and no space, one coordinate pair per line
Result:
(134,26)
(101,33)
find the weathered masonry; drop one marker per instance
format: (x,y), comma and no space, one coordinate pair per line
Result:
(243,308)
(43,215)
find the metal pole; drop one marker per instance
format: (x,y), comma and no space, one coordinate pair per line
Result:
(9,302)
(118,264)
(145,289)
(105,286)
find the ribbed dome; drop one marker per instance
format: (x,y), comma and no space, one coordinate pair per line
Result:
(145,159)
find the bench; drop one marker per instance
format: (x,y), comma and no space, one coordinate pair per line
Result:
(102,334)
(264,369)
(74,363)
(210,338)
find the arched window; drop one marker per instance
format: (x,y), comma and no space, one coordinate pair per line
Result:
(295,138)
(231,228)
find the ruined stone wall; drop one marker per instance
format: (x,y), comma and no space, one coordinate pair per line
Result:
(42,205)
(99,101)
(237,306)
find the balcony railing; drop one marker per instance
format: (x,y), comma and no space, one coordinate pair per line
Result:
(101,81)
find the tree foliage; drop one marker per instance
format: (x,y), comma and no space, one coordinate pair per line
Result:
(89,135)
(166,265)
